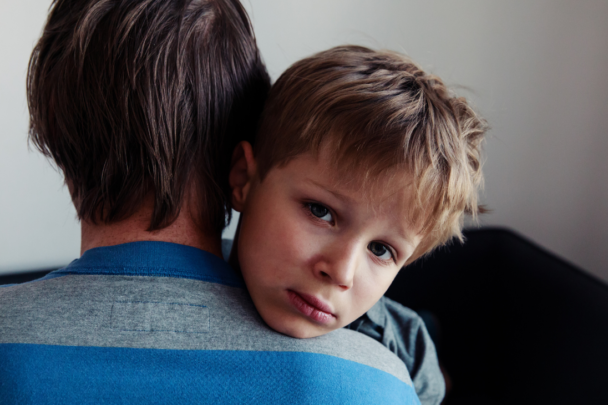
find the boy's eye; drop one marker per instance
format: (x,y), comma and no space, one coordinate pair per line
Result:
(320,212)
(380,250)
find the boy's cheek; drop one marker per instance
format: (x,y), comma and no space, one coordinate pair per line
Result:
(290,239)
(269,245)
(369,291)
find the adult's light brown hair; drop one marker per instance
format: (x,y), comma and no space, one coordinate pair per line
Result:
(378,111)
(140,99)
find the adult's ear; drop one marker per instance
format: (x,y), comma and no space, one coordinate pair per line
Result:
(242,174)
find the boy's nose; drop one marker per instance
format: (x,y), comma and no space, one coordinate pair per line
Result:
(338,266)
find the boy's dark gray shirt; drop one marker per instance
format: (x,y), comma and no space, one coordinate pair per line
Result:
(404,333)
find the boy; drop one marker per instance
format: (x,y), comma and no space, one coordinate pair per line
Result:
(363,163)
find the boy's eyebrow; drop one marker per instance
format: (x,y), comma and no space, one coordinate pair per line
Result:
(407,238)
(335,193)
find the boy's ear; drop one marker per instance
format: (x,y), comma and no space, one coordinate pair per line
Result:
(242,174)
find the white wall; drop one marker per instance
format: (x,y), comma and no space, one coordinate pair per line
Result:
(535,69)
(37,221)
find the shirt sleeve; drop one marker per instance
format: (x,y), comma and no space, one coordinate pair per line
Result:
(403,332)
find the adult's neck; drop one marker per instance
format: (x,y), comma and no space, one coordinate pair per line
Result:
(183,231)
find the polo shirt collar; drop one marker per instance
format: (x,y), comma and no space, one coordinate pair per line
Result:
(154,259)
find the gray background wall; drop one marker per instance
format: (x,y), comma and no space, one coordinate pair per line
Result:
(536,69)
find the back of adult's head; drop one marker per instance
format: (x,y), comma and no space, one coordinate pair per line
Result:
(145,99)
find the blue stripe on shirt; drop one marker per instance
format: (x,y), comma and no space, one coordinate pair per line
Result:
(155,376)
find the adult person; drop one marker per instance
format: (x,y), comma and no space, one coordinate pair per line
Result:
(140,103)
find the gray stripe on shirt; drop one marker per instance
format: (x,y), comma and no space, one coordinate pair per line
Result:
(163,313)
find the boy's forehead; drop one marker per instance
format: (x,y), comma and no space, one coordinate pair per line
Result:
(362,177)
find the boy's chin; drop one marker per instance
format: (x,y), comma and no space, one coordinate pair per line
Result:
(300,329)
(305,333)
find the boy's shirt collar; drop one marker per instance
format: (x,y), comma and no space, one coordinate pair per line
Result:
(154,259)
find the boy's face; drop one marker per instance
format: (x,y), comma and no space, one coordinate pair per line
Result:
(317,254)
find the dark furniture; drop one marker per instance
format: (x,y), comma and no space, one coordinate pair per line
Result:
(517,324)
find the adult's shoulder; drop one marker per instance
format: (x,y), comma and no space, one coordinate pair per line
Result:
(199,333)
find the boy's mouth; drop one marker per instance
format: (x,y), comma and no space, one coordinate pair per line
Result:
(311,306)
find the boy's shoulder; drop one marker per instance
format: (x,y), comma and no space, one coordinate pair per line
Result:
(404,332)
(396,327)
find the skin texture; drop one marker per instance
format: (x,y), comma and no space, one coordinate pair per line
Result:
(184,230)
(315,249)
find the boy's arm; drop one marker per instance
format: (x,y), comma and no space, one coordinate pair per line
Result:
(402,331)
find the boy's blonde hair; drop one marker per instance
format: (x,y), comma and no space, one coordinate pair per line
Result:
(378,110)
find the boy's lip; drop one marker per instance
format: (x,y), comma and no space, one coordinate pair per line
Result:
(311,306)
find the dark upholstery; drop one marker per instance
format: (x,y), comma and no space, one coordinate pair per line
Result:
(518,325)
(23,277)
